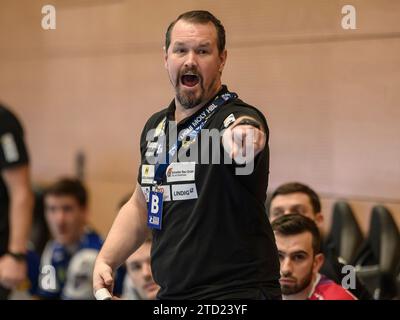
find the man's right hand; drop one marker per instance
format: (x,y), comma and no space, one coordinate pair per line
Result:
(127,233)
(102,277)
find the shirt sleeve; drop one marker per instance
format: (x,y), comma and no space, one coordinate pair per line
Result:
(233,112)
(155,122)
(13,150)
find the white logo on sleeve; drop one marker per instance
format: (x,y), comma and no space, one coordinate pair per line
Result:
(180,171)
(147,173)
(229,119)
(184,191)
(10,149)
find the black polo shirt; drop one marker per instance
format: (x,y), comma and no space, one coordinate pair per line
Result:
(216,241)
(12,153)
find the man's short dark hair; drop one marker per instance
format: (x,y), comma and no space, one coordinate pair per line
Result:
(201,17)
(69,187)
(294,224)
(294,187)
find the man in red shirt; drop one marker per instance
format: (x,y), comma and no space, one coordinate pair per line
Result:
(299,247)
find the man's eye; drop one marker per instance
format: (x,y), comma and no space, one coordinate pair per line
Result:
(202,51)
(67,208)
(276,214)
(298,258)
(136,266)
(180,50)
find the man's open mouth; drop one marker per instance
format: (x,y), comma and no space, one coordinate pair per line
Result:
(190,80)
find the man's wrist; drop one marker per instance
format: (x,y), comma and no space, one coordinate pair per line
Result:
(18,256)
(249,122)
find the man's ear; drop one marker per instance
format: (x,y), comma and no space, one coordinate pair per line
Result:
(223,55)
(319,220)
(165,52)
(318,262)
(85,214)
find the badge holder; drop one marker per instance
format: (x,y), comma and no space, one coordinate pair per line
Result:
(155,208)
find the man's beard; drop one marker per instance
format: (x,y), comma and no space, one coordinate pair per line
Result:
(298,287)
(188,99)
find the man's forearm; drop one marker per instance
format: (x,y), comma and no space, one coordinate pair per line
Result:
(18,184)
(127,233)
(21,207)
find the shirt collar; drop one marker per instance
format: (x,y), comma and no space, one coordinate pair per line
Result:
(172,107)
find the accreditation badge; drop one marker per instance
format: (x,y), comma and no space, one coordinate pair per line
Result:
(154,211)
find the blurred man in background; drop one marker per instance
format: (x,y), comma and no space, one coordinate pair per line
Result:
(295,197)
(299,248)
(139,274)
(69,257)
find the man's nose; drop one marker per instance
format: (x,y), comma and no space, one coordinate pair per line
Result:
(191,60)
(286,267)
(147,270)
(288,211)
(59,215)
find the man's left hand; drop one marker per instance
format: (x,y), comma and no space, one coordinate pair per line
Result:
(244,139)
(12,271)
